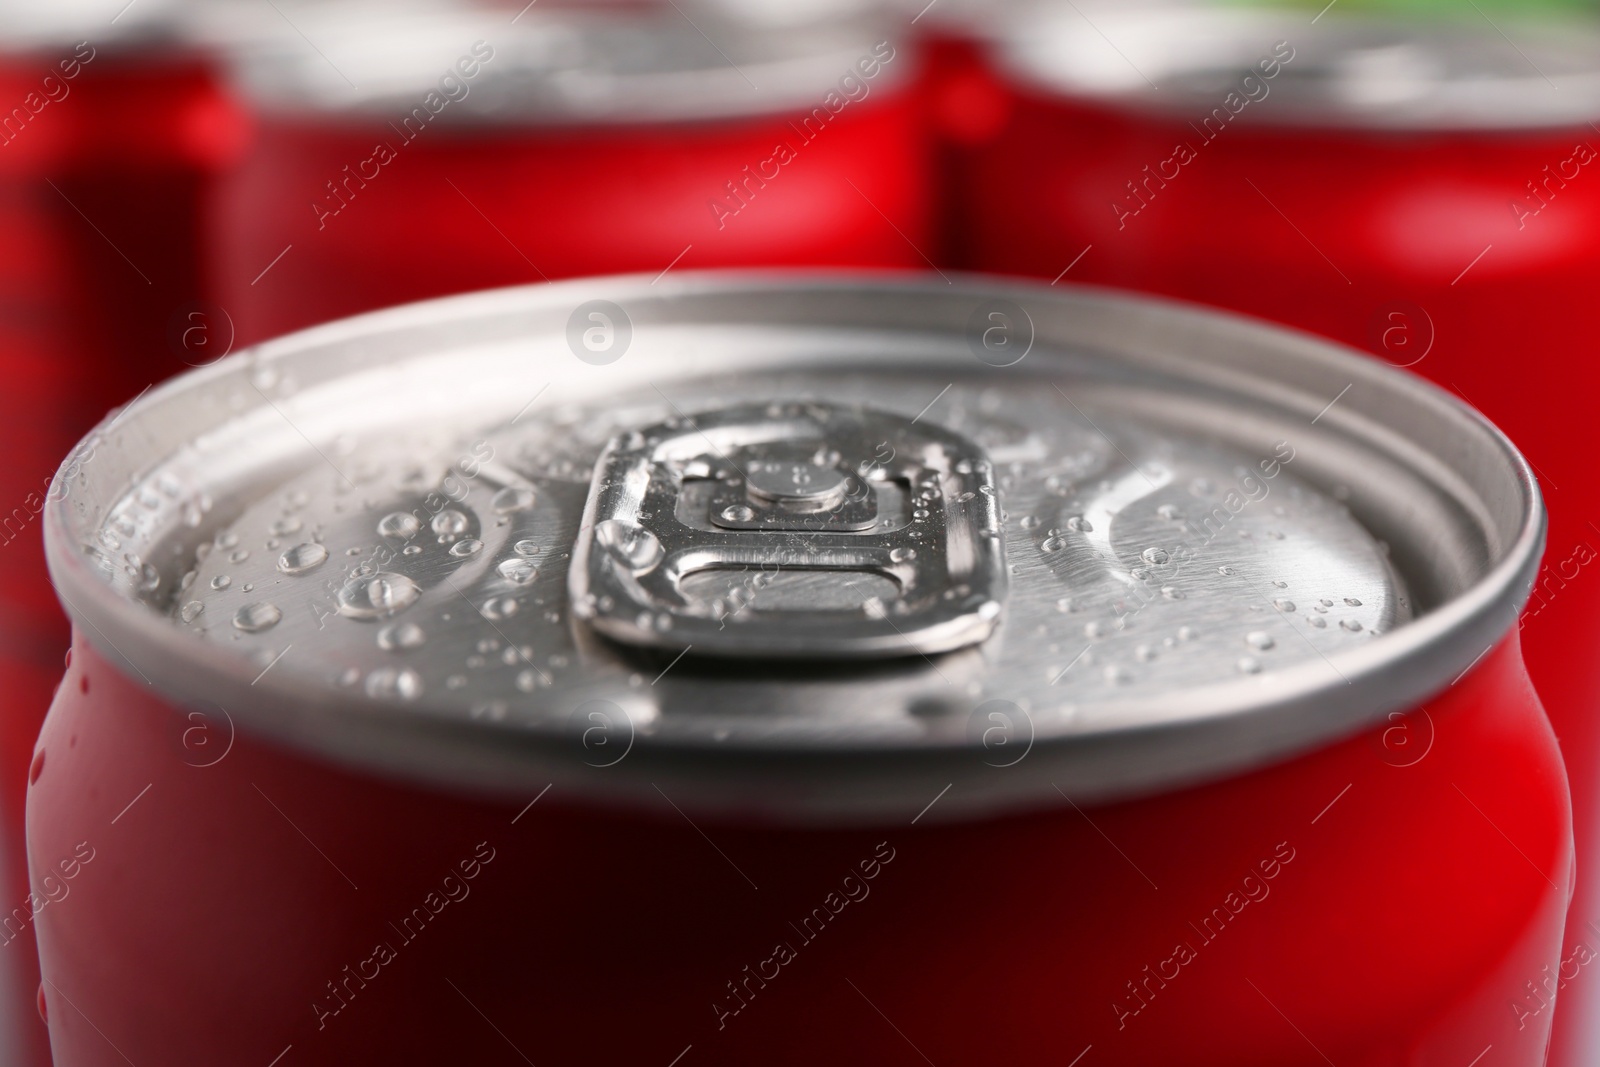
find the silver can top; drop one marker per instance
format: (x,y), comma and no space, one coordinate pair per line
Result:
(552,65)
(41,30)
(798,546)
(1292,67)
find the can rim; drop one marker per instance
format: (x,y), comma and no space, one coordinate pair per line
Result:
(1207,737)
(278,80)
(1530,101)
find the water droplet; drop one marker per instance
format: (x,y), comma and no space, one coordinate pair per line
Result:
(526,548)
(399,524)
(377,595)
(1030,522)
(1169,512)
(285,527)
(902,555)
(1155,556)
(738,513)
(500,607)
(1259,640)
(1172,592)
(520,571)
(469,546)
(221,581)
(1144,653)
(1187,633)
(512,498)
(1065,605)
(191,611)
(1283,605)
(254,618)
(1318,621)
(449,524)
(1353,625)
(1094,630)
(1248,665)
(634,546)
(1052,544)
(874,609)
(1352,601)
(401,635)
(302,558)
(239,555)
(389,683)
(528,680)
(1117,675)
(1079,524)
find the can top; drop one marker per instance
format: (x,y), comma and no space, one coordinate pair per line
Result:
(1336,70)
(552,64)
(802,545)
(29,27)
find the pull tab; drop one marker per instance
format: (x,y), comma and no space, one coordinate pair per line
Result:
(796,531)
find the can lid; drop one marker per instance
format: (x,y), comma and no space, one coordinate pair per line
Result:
(490,64)
(809,546)
(26,26)
(1287,68)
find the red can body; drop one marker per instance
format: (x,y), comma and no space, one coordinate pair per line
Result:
(363,217)
(1463,255)
(1396,898)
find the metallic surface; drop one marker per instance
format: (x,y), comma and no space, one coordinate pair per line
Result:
(1141,447)
(1344,71)
(549,66)
(764,471)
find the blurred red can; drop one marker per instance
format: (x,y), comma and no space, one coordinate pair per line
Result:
(487,147)
(1419,190)
(903,655)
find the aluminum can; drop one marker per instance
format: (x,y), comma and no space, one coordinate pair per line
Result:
(1418,190)
(741,650)
(488,146)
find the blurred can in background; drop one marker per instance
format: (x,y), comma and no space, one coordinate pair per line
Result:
(1422,189)
(884,654)
(437,149)
(965,105)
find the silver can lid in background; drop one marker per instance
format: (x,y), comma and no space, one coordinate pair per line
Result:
(551,65)
(1289,67)
(44,29)
(798,546)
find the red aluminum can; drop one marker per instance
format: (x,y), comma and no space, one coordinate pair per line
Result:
(488,146)
(1004,674)
(1421,191)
